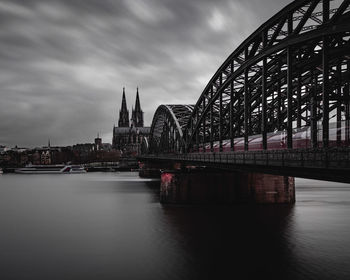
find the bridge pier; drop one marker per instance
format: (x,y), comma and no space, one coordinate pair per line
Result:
(203,186)
(148,170)
(153,169)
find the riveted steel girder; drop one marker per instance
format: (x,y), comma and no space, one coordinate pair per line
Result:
(293,71)
(166,133)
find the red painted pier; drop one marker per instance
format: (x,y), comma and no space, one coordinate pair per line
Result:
(193,186)
(198,185)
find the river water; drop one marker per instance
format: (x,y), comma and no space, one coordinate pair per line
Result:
(111,226)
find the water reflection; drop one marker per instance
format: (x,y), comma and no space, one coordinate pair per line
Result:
(111,226)
(241,240)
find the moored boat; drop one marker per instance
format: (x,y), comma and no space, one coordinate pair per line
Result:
(51,169)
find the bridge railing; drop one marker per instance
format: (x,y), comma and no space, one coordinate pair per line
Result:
(335,158)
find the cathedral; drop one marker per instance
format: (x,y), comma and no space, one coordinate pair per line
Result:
(128,135)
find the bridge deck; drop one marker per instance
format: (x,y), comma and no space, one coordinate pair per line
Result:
(324,164)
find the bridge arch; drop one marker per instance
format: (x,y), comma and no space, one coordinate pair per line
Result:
(166,135)
(292,72)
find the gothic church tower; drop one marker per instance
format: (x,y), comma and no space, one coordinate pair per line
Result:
(128,136)
(137,113)
(123,113)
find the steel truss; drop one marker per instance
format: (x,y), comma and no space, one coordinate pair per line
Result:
(293,71)
(166,133)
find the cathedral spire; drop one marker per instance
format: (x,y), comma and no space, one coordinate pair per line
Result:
(124,108)
(137,114)
(137,102)
(123,113)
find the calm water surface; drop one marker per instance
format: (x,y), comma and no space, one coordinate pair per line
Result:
(111,226)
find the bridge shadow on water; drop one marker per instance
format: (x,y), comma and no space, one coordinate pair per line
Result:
(241,241)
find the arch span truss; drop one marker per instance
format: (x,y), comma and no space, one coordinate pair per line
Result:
(166,133)
(292,72)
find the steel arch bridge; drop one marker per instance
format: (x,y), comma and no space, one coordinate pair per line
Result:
(166,135)
(292,73)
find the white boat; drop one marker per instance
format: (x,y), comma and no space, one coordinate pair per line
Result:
(51,169)
(1,172)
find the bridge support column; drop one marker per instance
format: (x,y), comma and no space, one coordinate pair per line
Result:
(202,186)
(153,169)
(267,188)
(148,170)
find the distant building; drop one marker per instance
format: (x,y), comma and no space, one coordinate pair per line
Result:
(45,157)
(19,149)
(4,149)
(98,143)
(128,136)
(106,147)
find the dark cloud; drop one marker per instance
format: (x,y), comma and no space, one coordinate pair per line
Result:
(63,63)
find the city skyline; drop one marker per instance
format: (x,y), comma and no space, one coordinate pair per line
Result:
(64,63)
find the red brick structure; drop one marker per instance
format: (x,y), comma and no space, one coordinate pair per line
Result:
(199,186)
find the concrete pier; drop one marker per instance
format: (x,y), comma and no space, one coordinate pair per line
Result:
(149,170)
(202,186)
(153,170)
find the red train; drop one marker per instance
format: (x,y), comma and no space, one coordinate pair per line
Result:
(278,140)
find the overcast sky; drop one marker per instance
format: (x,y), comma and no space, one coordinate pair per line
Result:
(63,63)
